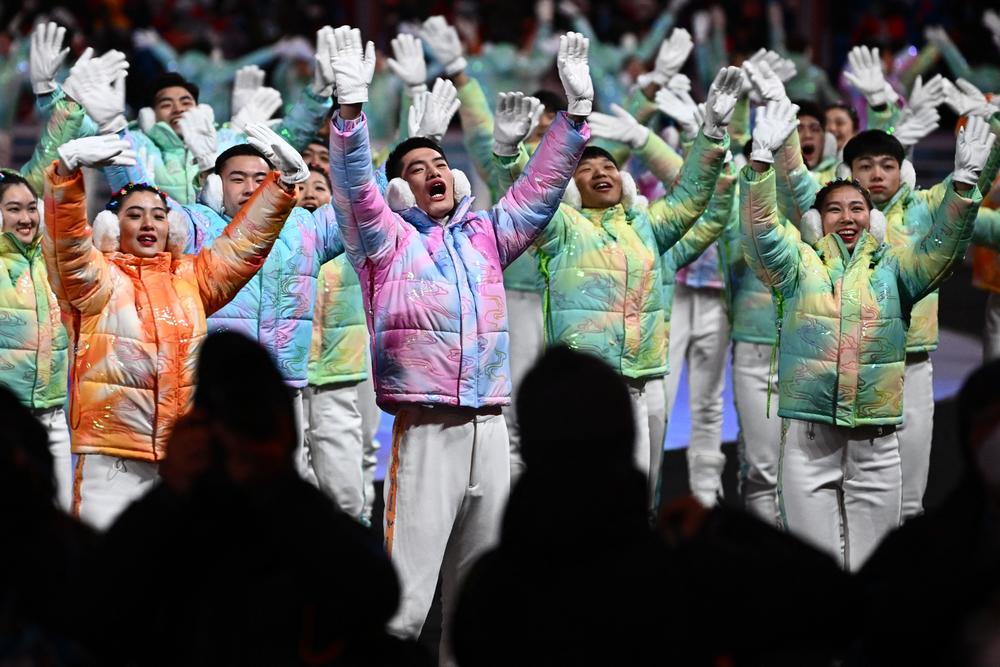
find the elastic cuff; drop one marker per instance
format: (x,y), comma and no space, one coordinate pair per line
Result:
(359,97)
(43,87)
(717,132)
(114,126)
(504,150)
(418,89)
(762,155)
(456,66)
(580,107)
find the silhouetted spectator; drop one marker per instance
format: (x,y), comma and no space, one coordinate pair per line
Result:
(940,571)
(579,577)
(44,551)
(234,559)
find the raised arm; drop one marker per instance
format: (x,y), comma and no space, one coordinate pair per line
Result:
(63,124)
(771,248)
(712,223)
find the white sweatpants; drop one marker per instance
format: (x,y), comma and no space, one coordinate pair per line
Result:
(840,488)
(302,463)
(648,409)
(371,416)
(54,421)
(760,429)
(105,485)
(334,441)
(527,342)
(699,335)
(448,482)
(991,330)
(916,432)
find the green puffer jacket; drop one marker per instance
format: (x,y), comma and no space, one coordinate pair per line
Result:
(605,286)
(33,341)
(844,317)
(64,120)
(340,334)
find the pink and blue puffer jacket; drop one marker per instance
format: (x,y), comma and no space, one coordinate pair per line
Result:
(433,293)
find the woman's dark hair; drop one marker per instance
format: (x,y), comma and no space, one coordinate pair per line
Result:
(10,178)
(848,109)
(836,185)
(120,196)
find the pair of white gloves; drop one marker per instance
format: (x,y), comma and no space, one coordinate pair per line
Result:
(776,121)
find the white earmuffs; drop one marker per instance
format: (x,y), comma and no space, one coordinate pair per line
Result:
(829,146)
(907,174)
(630,194)
(107,232)
(400,197)
(811,226)
(211,193)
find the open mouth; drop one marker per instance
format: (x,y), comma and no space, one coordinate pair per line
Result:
(146,240)
(25,227)
(808,150)
(848,235)
(437,190)
(602,186)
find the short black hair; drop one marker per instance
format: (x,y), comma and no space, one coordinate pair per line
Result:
(846,108)
(394,163)
(872,143)
(171,79)
(810,108)
(553,101)
(836,185)
(10,178)
(236,151)
(592,151)
(118,197)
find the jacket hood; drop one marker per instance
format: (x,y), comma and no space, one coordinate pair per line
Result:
(107,233)
(811,226)
(400,197)
(630,194)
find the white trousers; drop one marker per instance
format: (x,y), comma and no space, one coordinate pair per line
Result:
(840,488)
(105,485)
(371,416)
(760,428)
(302,463)
(527,342)
(54,421)
(334,442)
(699,335)
(991,331)
(916,433)
(448,482)
(648,409)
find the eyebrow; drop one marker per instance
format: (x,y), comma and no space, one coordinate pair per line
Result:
(140,208)
(247,173)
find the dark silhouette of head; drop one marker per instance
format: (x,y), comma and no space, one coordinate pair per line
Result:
(27,480)
(979,425)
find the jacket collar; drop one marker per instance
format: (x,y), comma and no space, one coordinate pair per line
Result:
(832,246)
(902,193)
(133,265)
(11,244)
(423,222)
(164,137)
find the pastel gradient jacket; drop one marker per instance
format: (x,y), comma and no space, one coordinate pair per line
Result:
(842,348)
(605,280)
(339,333)
(433,292)
(276,306)
(138,323)
(33,341)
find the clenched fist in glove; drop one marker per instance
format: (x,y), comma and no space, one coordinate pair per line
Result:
(278,152)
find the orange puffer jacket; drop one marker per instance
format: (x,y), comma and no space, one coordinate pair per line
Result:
(137,324)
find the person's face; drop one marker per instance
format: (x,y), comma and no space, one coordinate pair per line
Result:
(811,140)
(315,192)
(431,181)
(599,182)
(544,122)
(170,102)
(845,213)
(879,174)
(144,227)
(241,175)
(317,154)
(839,123)
(20,213)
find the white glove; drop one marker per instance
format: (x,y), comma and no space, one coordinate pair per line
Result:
(865,74)
(937,35)
(324,80)
(619,126)
(433,114)
(47,55)
(278,152)
(914,125)
(682,109)
(764,82)
(408,63)
(515,118)
(258,109)
(992,22)
(774,124)
(442,39)
(701,23)
(101,97)
(545,10)
(975,141)
(247,81)
(679,83)
(197,129)
(967,100)
(353,66)
(721,101)
(928,95)
(98,151)
(783,67)
(145,38)
(574,72)
(671,57)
